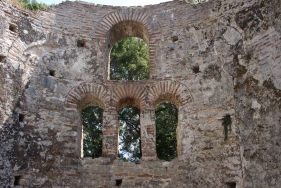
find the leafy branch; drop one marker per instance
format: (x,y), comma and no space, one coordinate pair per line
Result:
(33,5)
(226,123)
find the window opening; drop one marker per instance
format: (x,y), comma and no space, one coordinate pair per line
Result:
(175,38)
(12,27)
(129,60)
(166,131)
(52,72)
(2,58)
(196,69)
(92,131)
(81,43)
(231,185)
(17,180)
(129,148)
(21,117)
(118,182)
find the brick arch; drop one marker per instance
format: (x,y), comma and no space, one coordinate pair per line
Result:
(171,91)
(129,95)
(138,16)
(88,94)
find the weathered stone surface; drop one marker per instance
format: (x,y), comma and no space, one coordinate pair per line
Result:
(209,59)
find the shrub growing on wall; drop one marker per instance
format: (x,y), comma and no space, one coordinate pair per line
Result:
(33,5)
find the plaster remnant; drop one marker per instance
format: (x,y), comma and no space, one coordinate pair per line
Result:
(232,36)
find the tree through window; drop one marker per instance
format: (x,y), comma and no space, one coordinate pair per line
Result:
(92,131)
(166,131)
(129,134)
(129,60)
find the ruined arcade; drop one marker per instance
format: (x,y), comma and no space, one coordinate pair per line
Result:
(221,57)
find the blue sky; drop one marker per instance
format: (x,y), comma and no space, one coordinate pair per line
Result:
(112,2)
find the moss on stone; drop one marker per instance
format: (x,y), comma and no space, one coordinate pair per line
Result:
(239,70)
(270,86)
(249,84)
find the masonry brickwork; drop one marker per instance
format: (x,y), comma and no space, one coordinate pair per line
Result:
(210,59)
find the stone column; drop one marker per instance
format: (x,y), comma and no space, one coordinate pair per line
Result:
(148,134)
(179,131)
(110,134)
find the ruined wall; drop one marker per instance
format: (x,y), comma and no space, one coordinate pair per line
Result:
(210,59)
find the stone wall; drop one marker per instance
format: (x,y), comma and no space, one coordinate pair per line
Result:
(210,59)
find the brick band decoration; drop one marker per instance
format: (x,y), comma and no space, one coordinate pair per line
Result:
(171,91)
(127,95)
(87,94)
(16,51)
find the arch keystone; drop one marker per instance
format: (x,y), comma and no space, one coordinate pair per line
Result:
(87,94)
(129,95)
(170,91)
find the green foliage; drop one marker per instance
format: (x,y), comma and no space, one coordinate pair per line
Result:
(226,123)
(129,134)
(92,131)
(33,5)
(129,60)
(166,126)
(166,138)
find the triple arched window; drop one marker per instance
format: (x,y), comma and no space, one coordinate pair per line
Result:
(129,129)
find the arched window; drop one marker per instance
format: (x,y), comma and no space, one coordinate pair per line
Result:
(166,130)
(129,147)
(92,131)
(127,51)
(129,60)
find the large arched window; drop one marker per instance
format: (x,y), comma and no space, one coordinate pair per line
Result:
(129,147)
(130,40)
(92,131)
(129,60)
(166,130)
